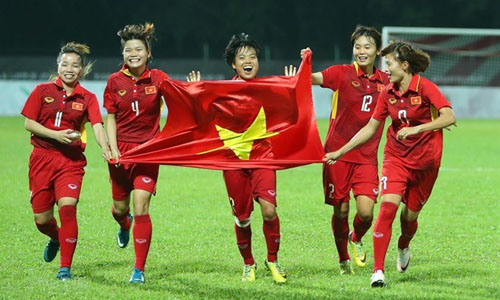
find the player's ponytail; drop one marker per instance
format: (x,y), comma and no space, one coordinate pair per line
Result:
(418,60)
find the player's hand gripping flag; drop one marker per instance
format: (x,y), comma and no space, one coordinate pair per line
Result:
(232,124)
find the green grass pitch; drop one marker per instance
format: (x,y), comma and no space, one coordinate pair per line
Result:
(455,253)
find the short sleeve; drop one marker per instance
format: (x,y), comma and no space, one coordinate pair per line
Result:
(93,110)
(110,98)
(432,93)
(332,77)
(380,113)
(31,109)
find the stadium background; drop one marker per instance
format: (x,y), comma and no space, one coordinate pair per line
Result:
(192,35)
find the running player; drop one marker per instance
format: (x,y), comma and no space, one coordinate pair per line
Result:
(412,154)
(134,103)
(246,185)
(56,113)
(356,88)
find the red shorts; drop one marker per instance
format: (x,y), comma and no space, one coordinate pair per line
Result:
(126,178)
(341,177)
(53,176)
(245,185)
(414,186)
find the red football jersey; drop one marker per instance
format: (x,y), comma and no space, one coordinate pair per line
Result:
(49,105)
(418,105)
(354,99)
(136,104)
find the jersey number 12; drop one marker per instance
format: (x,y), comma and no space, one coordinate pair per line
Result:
(367,100)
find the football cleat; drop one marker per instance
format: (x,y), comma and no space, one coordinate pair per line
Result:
(123,235)
(357,250)
(346,268)
(378,279)
(403,260)
(137,276)
(50,251)
(277,272)
(248,273)
(64,274)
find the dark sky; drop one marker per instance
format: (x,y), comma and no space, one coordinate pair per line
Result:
(39,28)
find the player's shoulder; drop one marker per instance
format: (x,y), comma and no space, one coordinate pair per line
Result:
(426,86)
(159,74)
(46,85)
(341,68)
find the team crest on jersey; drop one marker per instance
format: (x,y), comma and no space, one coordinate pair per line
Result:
(416,100)
(122,92)
(150,90)
(355,83)
(77,106)
(48,99)
(380,87)
(392,100)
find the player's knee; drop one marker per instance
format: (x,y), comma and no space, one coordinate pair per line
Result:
(120,207)
(269,213)
(341,212)
(241,223)
(43,218)
(365,215)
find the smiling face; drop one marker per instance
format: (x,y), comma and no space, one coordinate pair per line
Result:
(365,52)
(135,55)
(69,68)
(395,69)
(246,63)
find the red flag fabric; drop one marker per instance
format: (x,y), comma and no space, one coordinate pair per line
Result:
(267,122)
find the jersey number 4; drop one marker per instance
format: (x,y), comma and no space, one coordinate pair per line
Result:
(135,107)
(367,100)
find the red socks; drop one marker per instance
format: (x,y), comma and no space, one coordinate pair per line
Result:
(123,220)
(360,228)
(272,235)
(244,241)
(340,228)
(49,229)
(382,233)
(408,229)
(142,231)
(68,234)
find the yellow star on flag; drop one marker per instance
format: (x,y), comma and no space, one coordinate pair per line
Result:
(241,143)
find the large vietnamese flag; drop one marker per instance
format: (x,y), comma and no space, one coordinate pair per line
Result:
(267,122)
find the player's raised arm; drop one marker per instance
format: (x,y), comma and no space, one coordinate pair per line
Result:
(193,76)
(317,78)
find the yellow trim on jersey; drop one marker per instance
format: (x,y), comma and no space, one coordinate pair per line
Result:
(418,83)
(83,131)
(434,113)
(335,101)
(127,72)
(356,66)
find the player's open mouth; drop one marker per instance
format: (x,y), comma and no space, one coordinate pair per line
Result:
(134,60)
(247,69)
(362,58)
